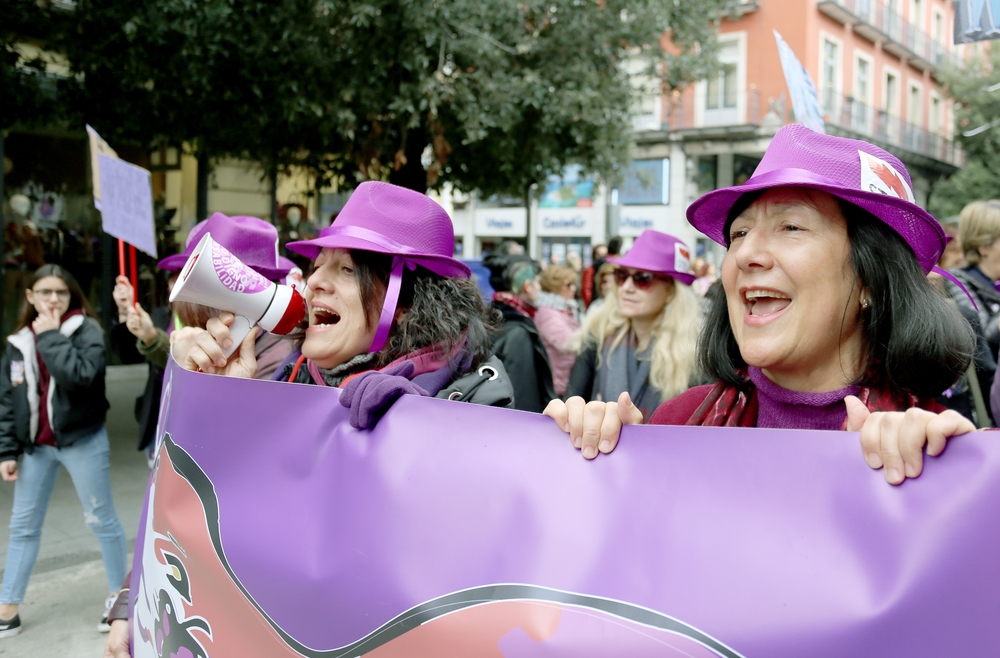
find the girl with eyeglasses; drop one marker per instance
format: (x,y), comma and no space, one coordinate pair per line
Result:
(52,411)
(643,337)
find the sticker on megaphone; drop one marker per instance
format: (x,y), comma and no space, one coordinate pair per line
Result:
(214,277)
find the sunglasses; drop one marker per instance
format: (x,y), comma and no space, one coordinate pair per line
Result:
(641,279)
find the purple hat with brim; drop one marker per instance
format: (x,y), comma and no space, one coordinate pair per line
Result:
(661,253)
(853,170)
(252,240)
(392,220)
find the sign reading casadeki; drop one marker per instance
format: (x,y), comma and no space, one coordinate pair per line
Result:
(272,528)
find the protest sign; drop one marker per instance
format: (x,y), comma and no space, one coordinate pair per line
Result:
(800,87)
(127,203)
(272,528)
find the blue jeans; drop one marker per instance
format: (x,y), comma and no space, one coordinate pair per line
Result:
(87,463)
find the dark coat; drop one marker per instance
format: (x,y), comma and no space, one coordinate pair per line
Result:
(74,357)
(147,405)
(520,349)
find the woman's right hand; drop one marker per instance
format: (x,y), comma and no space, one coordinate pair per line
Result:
(594,426)
(199,349)
(8,470)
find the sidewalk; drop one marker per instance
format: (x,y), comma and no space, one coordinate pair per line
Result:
(66,594)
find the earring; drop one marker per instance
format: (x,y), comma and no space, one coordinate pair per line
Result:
(865,303)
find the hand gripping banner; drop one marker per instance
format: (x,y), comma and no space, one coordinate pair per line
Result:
(272,528)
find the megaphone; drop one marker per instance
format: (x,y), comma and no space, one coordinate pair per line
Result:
(214,277)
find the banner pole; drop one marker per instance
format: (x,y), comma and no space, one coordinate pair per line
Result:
(121,257)
(134,277)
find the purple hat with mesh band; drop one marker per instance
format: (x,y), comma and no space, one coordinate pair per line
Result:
(853,170)
(661,253)
(392,220)
(252,240)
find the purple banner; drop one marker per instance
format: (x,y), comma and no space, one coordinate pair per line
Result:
(273,528)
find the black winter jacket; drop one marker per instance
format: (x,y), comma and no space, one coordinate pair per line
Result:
(520,349)
(74,357)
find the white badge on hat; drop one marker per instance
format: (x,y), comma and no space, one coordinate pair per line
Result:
(682,258)
(879,176)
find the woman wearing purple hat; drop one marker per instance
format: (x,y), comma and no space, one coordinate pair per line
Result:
(642,339)
(390,312)
(828,320)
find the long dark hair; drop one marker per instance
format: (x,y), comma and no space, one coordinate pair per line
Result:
(438,310)
(916,340)
(77,300)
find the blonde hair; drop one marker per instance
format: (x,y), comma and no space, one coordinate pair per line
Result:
(978,226)
(554,277)
(675,335)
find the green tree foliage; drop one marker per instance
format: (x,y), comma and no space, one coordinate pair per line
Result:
(28,95)
(980,177)
(485,94)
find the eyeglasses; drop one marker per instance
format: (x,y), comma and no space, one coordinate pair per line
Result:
(641,279)
(45,293)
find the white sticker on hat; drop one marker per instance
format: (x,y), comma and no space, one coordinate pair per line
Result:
(880,177)
(682,258)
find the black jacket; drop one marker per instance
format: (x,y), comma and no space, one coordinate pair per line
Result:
(147,405)
(74,357)
(520,349)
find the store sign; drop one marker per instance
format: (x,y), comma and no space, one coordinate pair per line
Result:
(566,221)
(647,182)
(633,220)
(501,222)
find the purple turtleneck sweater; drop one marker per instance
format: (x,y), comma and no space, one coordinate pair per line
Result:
(780,408)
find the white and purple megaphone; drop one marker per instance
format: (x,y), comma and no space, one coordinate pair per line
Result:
(214,277)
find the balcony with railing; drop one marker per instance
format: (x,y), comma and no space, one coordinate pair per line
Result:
(880,23)
(877,125)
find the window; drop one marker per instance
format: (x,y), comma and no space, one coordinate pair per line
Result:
(914,108)
(938,29)
(831,58)
(937,115)
(891,104)
(861,107)
(917,14)
(721,89)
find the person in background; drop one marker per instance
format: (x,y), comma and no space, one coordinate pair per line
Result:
(706,276)
(558,320)
(642,339)
(517,343)
(52,412)
(605,286)
(574,262)
(509,248)
(979,237)
(588,287)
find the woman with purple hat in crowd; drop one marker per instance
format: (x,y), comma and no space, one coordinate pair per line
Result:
(827,320)
(642,339)
(390,312)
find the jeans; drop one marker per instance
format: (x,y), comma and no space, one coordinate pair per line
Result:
(87,463)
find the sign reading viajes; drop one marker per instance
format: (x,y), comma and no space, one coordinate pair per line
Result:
(272,528)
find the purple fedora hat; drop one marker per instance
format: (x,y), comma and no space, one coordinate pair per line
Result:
(393,220)
(853,170)
(661,253)
(252,240)
(398,222)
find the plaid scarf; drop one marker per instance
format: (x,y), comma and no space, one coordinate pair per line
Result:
(515,302)
(728,406)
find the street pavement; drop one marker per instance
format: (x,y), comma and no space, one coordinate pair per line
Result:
(65,597)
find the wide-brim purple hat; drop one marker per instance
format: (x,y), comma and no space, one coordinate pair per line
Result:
(857,172)
(252,240)
(393,220)
(661,253)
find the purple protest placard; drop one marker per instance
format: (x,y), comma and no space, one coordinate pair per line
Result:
(272,528)
(127,203)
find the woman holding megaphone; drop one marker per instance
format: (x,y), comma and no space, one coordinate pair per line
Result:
(390,311)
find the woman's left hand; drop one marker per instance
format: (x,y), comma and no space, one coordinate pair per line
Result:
(895,440)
